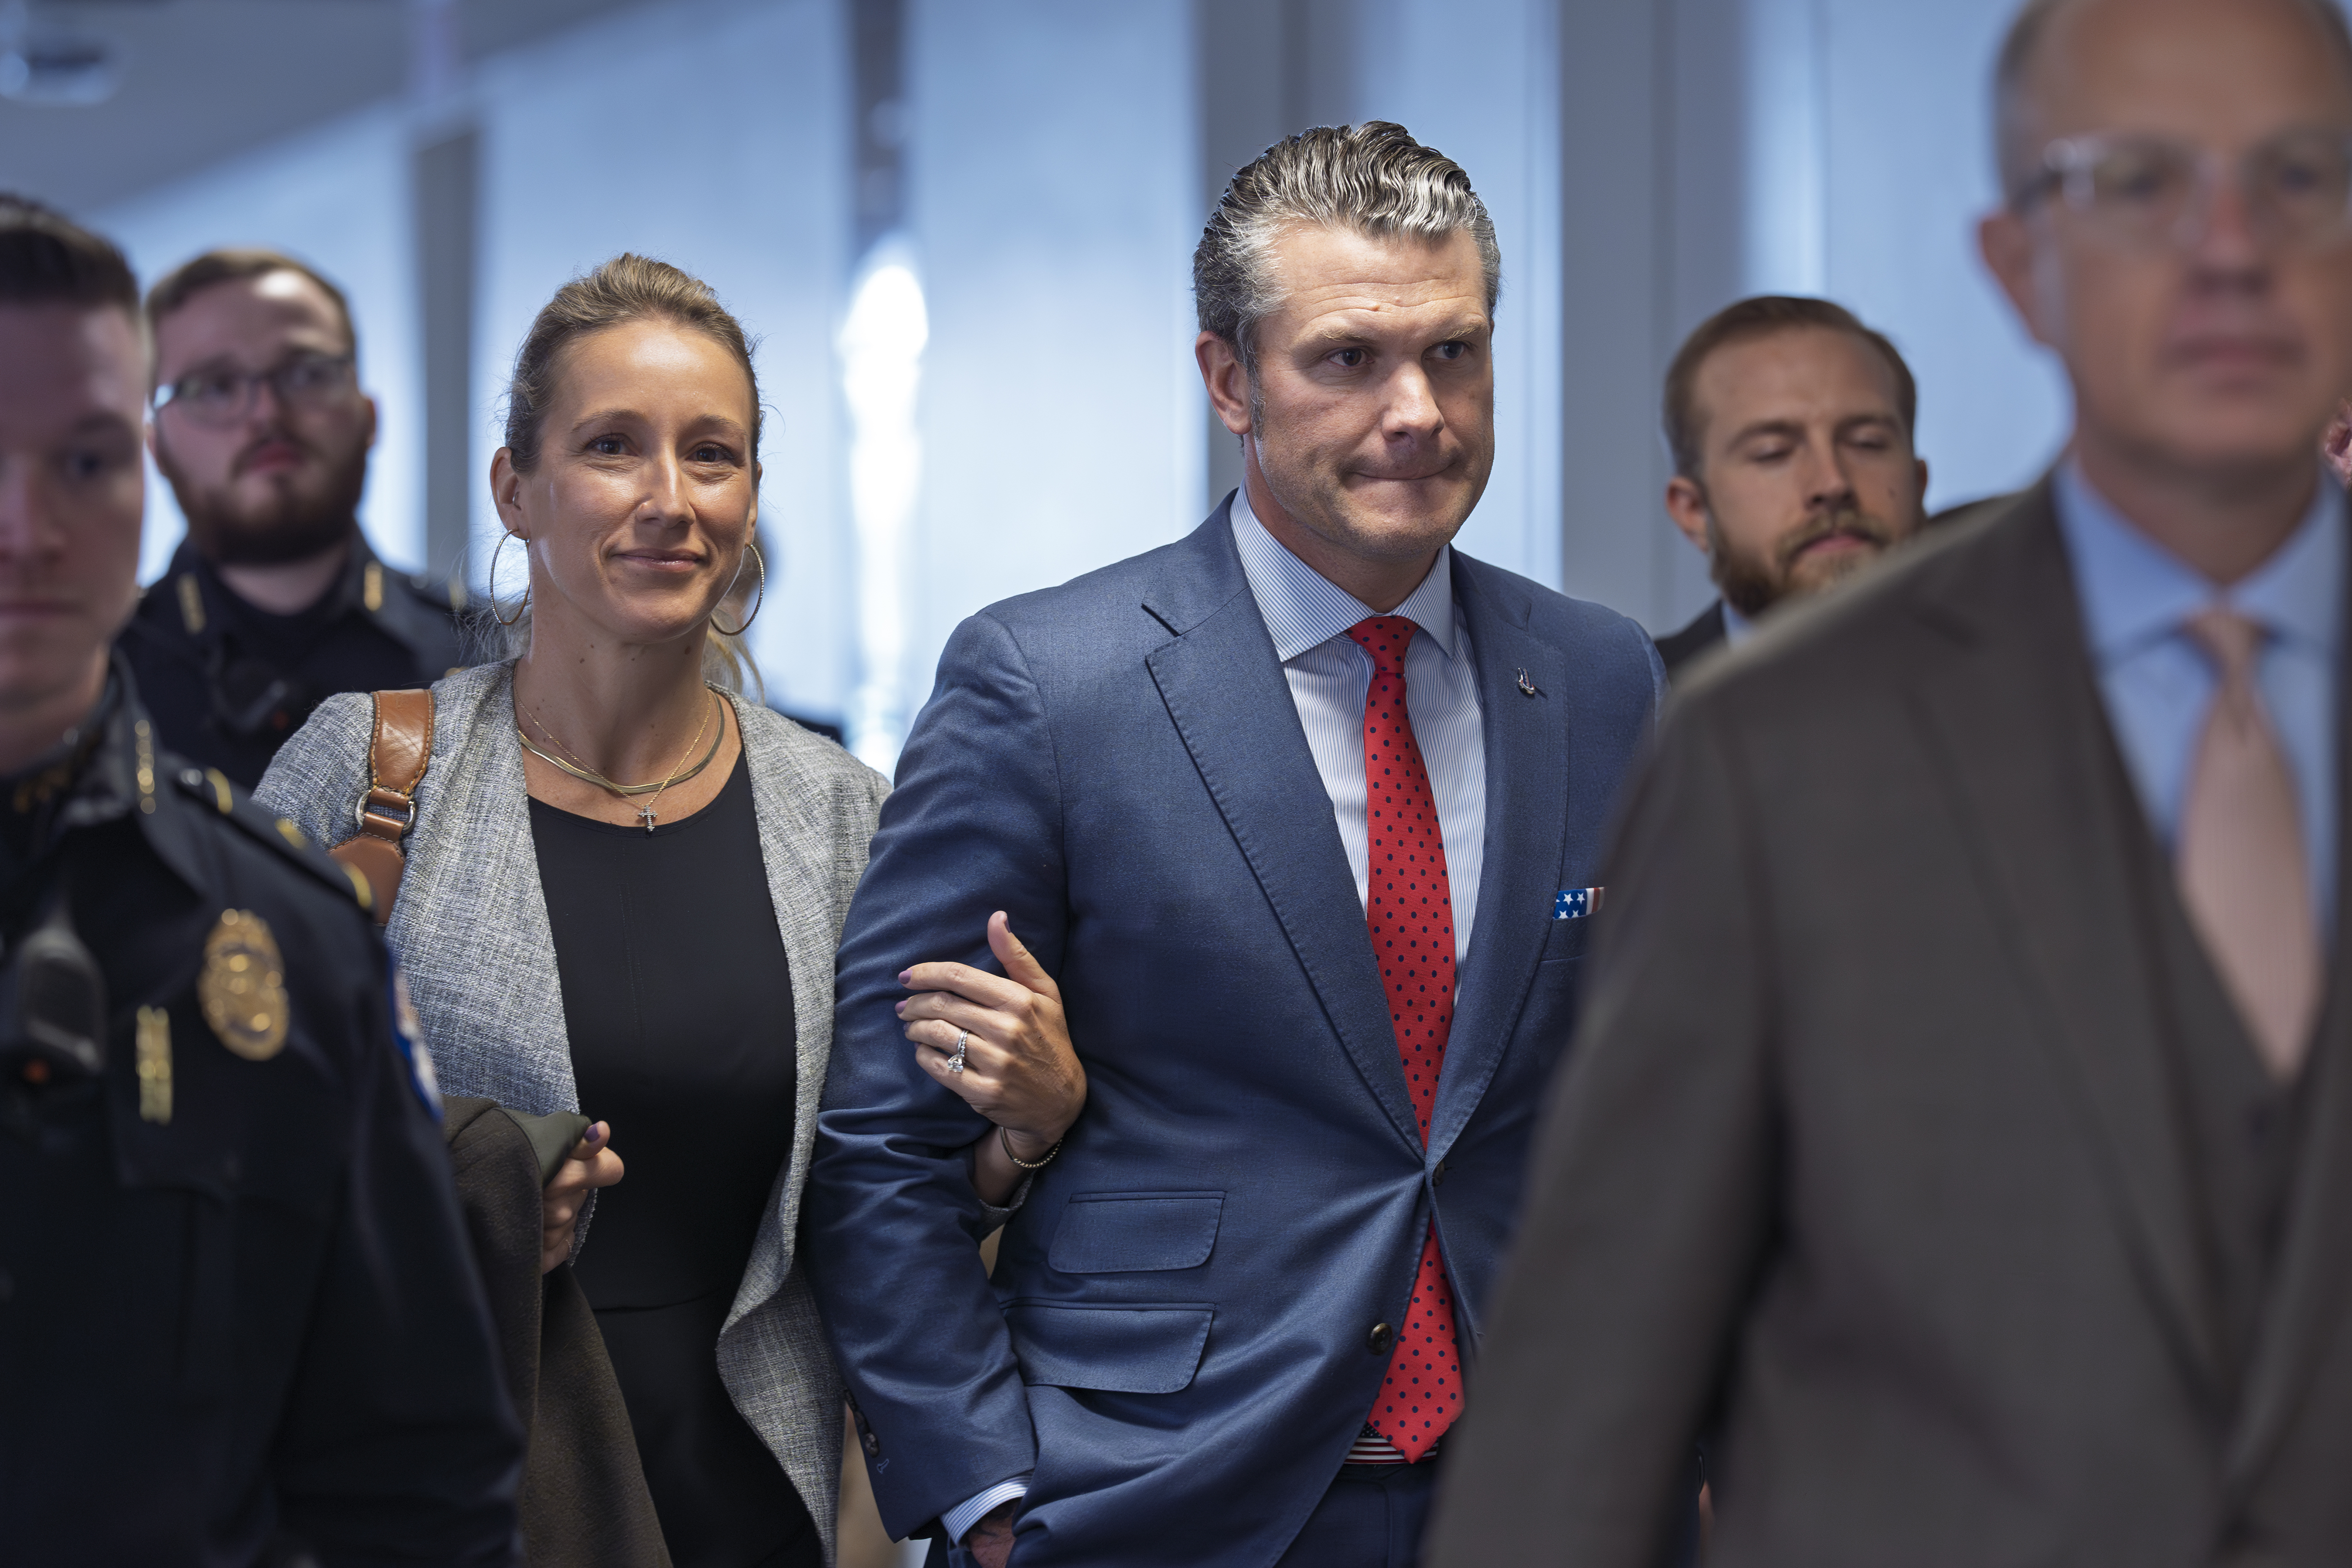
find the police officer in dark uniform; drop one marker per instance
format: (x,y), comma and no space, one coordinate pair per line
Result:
(239,1321)
(274,601)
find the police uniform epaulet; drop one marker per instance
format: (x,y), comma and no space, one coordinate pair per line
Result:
(213,789)
(444,596)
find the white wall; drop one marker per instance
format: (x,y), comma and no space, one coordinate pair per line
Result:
(1052,205)
(1479,81)
(1907,144)
(1715,149)
(712,135)
(337,197)
(1646,161)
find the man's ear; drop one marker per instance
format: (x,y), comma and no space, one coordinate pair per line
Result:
(1227,381)
(2006,243)
(1686,504)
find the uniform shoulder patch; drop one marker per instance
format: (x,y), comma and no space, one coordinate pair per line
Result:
(212,789)
(442,596)
(427,615)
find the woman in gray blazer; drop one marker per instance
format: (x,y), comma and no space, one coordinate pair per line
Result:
(640,950)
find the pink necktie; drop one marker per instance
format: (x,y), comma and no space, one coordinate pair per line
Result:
(2240,862)
(1410,910)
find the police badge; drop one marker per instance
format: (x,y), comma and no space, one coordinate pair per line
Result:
(242,987)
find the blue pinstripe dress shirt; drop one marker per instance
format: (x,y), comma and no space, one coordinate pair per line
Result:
(1328,675)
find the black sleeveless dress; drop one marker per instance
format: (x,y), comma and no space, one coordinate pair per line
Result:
(679,1004)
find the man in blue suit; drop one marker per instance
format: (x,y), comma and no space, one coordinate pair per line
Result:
(1251,798)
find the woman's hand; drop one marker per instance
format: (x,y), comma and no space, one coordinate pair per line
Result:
(590,1164)
(1019,1069)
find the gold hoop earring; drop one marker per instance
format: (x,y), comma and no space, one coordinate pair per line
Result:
(491,583)
(760,598)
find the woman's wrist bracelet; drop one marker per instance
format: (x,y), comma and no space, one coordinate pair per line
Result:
(1005,1139)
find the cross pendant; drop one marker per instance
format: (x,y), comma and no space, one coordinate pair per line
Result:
(646,815)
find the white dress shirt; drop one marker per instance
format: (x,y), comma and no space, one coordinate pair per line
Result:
(1329,673)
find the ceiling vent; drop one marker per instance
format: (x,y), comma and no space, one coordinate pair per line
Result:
(44,63)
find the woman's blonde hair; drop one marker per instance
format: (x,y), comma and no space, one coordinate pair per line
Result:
(628,288)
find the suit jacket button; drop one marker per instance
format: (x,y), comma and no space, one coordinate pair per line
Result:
(1438,1175)
(872,1443)
(1378,1340)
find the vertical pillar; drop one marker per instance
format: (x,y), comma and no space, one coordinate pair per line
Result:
(1653,232)
(878,67)
(881,347)
(1615,96)
(1265,69)
(1787,172)
(445,179)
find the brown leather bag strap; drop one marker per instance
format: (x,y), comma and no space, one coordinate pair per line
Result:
(398,754)
(399,751)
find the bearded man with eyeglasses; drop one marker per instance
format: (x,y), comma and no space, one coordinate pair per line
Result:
(274,601)
(1973,1012)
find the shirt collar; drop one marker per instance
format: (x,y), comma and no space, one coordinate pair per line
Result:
(1304,609)
(346,591)
(2134,592)
(1736,628)
(84,780)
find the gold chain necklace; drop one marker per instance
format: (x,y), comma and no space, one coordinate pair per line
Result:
(580,770)
(585,774)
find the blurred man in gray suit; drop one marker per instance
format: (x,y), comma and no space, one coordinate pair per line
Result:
(1960,1128)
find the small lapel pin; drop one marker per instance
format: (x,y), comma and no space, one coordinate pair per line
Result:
(1528,688)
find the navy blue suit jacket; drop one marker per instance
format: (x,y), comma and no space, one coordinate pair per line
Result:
(1175,1341)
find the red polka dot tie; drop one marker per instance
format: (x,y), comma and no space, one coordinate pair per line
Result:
(1410,912)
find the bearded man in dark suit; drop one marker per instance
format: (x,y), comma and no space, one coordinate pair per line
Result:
(1790,426)
(1975,1024)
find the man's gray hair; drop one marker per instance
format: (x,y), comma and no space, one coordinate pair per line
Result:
(2014,149)
(1372,179)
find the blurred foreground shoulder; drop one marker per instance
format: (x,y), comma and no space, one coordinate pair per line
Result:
(1869,634)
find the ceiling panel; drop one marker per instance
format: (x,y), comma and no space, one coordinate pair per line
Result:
(203,80)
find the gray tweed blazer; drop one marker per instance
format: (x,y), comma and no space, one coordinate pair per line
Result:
(470,931)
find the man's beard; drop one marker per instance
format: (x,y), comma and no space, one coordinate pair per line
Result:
(288,526)
(1752,586)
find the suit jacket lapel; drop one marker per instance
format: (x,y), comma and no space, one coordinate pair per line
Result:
(1225,691)
(471,922)
(2028,758)
(1526,746)
(799,849)
(2307,1286)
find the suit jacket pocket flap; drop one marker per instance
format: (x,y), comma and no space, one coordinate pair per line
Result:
(1131,1233)
(1567,939)
(1113,1350)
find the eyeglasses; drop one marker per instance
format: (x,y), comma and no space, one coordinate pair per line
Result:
(221,395)
(2151,193)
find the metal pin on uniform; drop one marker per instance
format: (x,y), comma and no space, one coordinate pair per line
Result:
(154,1064)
